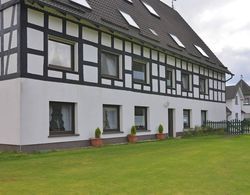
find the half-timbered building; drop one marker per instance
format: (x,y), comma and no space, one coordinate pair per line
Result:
(68,67)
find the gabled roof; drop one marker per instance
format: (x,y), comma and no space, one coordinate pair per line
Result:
(107,13)
(244,87)
(231,92)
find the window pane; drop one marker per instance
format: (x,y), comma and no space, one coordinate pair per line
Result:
(185,81)
(202,86)
(236,116)
(139,71)
(186,118)
(61,117)
(109,64)
(110,118)
(203,117)
(59,54)
(140,118)
(169,78)
(236,100)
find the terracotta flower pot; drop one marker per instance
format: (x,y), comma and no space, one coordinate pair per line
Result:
(132,138)
(160,136)
(96,142)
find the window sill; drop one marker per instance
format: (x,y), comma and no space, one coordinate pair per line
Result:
(58,68)
(63,135)
(112,132)
(111,77)
(140,83)
(188,91)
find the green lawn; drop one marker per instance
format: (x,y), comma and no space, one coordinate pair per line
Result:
(201,165)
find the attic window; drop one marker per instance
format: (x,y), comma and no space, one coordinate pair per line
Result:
(153,32)
(83,3)
(150,9)
(177,40)
(129,19)
(129,1)
(201,51)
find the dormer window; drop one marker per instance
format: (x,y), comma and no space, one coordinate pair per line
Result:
(150,9)
(201,51)
(83,3)
(129,19)
(177,40)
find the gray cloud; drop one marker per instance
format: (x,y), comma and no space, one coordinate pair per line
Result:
(239,62)
(225,27)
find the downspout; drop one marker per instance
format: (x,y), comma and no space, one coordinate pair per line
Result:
(232,75)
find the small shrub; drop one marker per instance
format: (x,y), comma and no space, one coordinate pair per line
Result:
(98,133)
(160,128)
(133,130)
(202,131)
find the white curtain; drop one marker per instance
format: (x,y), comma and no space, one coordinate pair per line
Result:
(109,64)
(59,54)
(140,121)
(66,111)
(67,117)
(110,118)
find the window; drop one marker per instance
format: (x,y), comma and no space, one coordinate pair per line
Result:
(201,51)
(169,78)
(153,32)
(236,100)
(129,19)
(82,2)
(111,118)
(203,117)
(61,53)
(110,65)
(186,119)
(247,101)
(202,86)
(177,40)
(236,116)
(185,81)
(141,118)
(150,9)
(61,117)
(130,1)
(139,72)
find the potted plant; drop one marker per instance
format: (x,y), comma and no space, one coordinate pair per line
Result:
(97,141)
(160,135)
(132,136)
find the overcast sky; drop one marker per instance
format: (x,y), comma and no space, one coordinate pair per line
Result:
(224,25)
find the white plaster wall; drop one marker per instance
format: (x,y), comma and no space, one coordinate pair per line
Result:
(10,112)
(234,108)
(35,17)
(89,100)
(246,109)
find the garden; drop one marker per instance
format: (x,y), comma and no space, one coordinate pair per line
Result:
(213,164)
